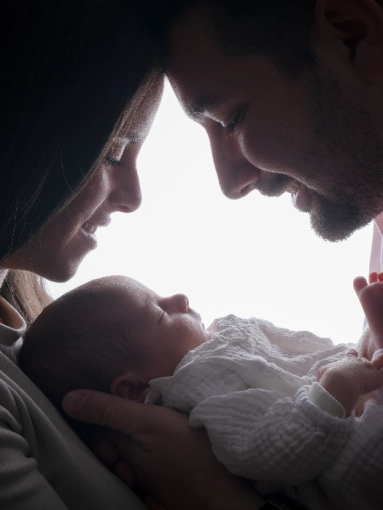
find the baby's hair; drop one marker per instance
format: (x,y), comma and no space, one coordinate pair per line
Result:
(75,343)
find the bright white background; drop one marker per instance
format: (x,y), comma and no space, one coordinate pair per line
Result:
(252,257)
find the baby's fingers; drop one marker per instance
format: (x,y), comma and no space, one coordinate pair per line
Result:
(377,361)
(375,277)
(359,283)
(350,357)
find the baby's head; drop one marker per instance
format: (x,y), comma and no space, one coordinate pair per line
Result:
(113,335)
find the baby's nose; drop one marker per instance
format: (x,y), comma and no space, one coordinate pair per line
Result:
(180,303)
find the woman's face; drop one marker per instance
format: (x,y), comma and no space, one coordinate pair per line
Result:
(56,252)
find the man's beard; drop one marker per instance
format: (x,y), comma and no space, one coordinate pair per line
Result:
(335,221)
(346,159)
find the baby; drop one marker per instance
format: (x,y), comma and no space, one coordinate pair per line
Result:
(278,405)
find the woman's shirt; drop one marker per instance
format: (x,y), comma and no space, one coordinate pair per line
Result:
(43,464)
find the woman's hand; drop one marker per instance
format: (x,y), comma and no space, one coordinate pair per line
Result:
(173,462)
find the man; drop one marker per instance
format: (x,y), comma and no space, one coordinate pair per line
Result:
(291,97)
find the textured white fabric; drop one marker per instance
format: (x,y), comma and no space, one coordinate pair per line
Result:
(43,464)
(322,398)
(354,480)
(249,386)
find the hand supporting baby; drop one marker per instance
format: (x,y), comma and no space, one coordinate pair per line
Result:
(172,461)
(360,373)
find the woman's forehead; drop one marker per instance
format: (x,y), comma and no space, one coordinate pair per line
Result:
(138,120)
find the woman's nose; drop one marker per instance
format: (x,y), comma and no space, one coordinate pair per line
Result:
(178,303)
(126,194)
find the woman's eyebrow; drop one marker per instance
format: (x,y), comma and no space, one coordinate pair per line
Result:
(128,136)
(204,103)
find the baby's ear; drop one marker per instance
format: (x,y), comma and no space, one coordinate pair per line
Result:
(126,386)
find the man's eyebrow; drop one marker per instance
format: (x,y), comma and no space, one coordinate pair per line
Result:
(204,103)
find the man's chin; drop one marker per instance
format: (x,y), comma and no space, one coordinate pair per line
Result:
(335,227)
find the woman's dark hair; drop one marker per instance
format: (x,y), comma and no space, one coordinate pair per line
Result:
(26,292)
(69,70)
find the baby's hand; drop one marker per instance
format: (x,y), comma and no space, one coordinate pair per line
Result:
(346,380)
(212,328)
(371,298)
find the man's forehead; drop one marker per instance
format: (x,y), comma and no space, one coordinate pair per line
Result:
(192,77)
(192,41)
(198,66)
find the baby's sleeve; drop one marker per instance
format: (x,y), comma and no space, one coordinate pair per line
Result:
(260,435)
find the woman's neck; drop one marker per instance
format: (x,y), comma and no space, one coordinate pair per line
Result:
(3,274)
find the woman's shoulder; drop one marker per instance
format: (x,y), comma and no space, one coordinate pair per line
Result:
(12,328)
(50,466)
(44,463)
(10,318)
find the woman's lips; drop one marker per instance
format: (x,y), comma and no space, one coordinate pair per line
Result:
(89,227)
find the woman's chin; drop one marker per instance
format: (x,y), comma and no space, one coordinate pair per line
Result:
(59,272)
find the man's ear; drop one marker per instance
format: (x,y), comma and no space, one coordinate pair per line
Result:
(128,386)
(357,25)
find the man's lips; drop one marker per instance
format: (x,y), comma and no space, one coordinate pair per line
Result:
(278,184)
(274,184)
(300,196)
(293,187)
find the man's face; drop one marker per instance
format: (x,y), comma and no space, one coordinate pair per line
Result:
(311,136)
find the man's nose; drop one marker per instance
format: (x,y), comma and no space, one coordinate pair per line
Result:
(126,193)
(237,182)
(179,303)
(236,175)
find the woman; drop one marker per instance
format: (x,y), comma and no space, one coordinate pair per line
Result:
(67,161)
(69,69)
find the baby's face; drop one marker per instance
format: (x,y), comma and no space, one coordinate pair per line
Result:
(166,327)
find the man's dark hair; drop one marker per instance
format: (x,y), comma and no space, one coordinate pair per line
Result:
(280,29)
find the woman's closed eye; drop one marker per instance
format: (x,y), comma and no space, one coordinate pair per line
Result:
(109,160)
